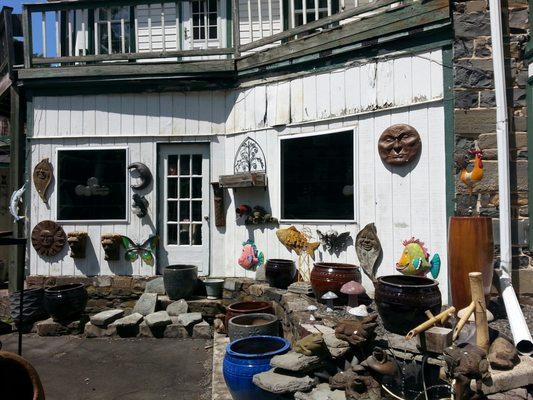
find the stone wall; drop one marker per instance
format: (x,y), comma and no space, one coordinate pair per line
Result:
(475,109)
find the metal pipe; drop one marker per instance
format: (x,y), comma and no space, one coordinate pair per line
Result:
(519,329)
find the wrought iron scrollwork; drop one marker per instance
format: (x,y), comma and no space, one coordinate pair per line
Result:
(249,157)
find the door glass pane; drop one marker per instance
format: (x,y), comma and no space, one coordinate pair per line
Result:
(184,234)
(172,165)
(196,234)
(197,164)
(196,188)
(185,211)
(197,211)
(172,188)
(172,231)
(185,188)
(185,167)
(172,211)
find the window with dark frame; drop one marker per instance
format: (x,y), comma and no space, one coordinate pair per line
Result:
(91,185)
(114,21)
(317,177)
(205,19)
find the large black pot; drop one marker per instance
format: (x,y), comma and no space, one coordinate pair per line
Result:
(280,273)
(180,280)
(402,301)
(32,307)
(65,302)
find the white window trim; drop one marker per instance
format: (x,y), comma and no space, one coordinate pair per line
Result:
(353,129)
(126,220)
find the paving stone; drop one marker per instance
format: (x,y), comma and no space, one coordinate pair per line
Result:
(176,331)
(145,331)
(163,301)
(94,331)
(321,392)
(189,319)
(274,382)
(296,362)
(202,331)
(146,304)
(155,286)
(128,326)
(177,307)
(274,294)
(104,318)
(158,319)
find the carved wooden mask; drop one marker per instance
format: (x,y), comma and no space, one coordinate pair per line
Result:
(48,238)
(77,242)
(111,246)
(42,176)
(399,144)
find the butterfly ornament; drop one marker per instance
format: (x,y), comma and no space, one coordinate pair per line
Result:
(146,250)
(333,241)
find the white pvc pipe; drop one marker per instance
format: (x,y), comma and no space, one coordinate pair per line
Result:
(519,329)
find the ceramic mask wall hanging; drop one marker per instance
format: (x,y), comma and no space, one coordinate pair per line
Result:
(415,260)
(92,189)
(368,249)
(146,250)
(218,199)
(42,177)
(14,203)
(399,144)
(333,241)
(145,176)
(295,240)
(249,157)
(77,242)
(139,206)
(48,238)
(250,258)
(111,246)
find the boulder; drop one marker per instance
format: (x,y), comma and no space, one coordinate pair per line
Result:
(175,331)
(296,362)
(104,318)
(321,392)
(94,331)
(146,304)
(155,286)
(177,307)
(128,326)
(202,331)
(274,382)
(158,319)
(189,319)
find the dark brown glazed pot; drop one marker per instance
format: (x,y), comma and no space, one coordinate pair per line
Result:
(280,273)
(329,277)
(402,301)
(248,307)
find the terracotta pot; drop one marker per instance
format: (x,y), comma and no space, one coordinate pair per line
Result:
(256,324)
(280,273)
(329,277)
(248,307)
(470,249)
(21,380)
(402,301)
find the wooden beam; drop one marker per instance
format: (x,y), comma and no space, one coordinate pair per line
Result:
(5,84)
(236,27)
(8,39)
(28,41)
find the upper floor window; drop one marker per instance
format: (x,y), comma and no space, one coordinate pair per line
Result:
(113,26)
(306,11)
(204,19)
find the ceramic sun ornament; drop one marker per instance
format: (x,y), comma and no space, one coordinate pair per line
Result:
(415,260)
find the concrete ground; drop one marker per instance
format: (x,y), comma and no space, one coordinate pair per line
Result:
(73,368)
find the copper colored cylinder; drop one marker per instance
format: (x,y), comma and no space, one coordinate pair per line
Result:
(470,249)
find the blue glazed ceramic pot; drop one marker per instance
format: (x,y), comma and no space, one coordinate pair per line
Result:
(247,357)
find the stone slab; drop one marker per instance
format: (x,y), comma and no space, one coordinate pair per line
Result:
(146,304)
(321,392)
(296,362)
(175,331)
(189,319)
(207,307)
(177,307)
(163,301)
(278,383)
(104,318)
(520,376)
(155,286)
(94,331)
(219,390)
(145,331)
(202,331)
(128,326)
(158,319)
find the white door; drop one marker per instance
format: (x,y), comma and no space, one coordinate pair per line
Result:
(201,24)
(184,205)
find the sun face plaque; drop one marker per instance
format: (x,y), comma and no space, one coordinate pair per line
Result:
(48,238)
(399,144)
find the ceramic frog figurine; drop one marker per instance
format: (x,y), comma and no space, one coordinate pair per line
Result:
(311,345)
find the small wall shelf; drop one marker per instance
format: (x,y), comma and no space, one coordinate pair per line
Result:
(244,179)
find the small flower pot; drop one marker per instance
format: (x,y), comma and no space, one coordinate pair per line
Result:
(213,288)
(256,324)
(180,281)
(65,302)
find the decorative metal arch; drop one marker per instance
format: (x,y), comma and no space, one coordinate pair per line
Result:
(249,157)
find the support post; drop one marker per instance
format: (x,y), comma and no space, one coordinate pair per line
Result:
(236,28)
(480,310)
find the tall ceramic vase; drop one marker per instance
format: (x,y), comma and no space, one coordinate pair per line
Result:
(470,249)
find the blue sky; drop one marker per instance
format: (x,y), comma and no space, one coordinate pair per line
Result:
(17,6)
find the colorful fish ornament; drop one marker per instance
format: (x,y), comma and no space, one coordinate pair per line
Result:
(145,250)
(250,258)
(295,240)
(415,260)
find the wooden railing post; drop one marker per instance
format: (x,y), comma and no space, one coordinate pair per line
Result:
(28,40)
(236,28)
(9,50)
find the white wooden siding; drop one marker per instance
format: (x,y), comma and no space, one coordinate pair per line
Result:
(157,27)
(367,98)
(259,27)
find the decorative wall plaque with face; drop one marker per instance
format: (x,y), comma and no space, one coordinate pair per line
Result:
(111,245)
(77,242)
(42,176)
(368,249)
(48,238)
(399,144)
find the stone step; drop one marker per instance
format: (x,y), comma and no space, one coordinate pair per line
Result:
(104,318)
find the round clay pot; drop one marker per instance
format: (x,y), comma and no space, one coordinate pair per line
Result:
(329,277)
(19,379)
(256,324)
(213,288)
(280,273)
(180,280)
(248,307)
(65,302)
(402,301)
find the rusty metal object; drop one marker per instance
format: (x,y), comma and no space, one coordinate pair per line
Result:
(43,174)
(380,362)
(20,378)
(218,199)
(368,249)
(503,354)
(48,238)
(357,332)
(111,245)
(399,144)
(77,242)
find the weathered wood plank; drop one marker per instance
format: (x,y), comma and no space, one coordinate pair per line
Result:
(243,180)
(27,31)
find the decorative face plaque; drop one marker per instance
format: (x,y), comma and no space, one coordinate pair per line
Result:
(111,245)
(77,242)
(42,177)
(48,238)
(399,144)
(249,157)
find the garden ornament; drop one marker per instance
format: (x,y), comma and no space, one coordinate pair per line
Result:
(250,258)
(249,157)
(415,260)
(368,249)
(466,362)
(111,246)
(311,345)
(359,311)
(399,145)
(381,363)
(42,176)
(144,174)
(77,242)
(139,206)
(476,174)
(357,332)
(329,297)
(260,216)
(362,387)
(339,380)
(503,354)
(146,250)
(295,240)
(14,203)
(333,241)
(352,289)
(48,238)
(243,210)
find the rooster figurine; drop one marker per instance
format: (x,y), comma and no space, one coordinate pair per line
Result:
(470,178)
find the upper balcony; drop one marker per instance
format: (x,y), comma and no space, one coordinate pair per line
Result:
(208,38)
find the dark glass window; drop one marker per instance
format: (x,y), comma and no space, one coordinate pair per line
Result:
(317,177)
(91,185)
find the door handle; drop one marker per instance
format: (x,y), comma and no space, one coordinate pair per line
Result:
(206,217)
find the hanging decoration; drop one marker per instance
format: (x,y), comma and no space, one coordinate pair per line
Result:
(48,238)
(111,245)
(42,177)
(368,249)
(218,199)
(255,216)
(139,206)
(77,242)
(15,201)
(251,258)
(415,260)
(146,250)
(249,157)
(333,241)
(399,144)
(144,173)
